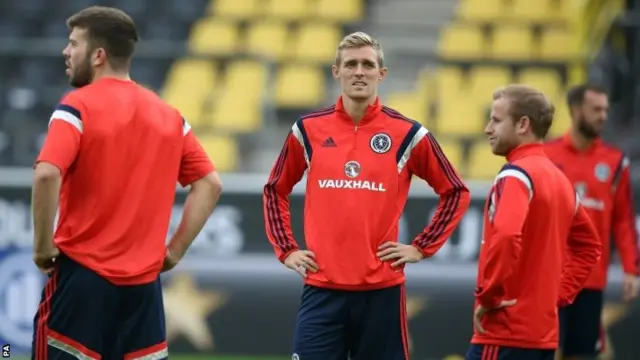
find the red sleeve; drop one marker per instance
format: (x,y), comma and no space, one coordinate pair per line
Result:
(195,163)
(584,249)
(62,142)
(286,173)
(624,221)
(428,161)
(511,196)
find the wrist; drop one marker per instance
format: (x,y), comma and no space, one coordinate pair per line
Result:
(421,251)
(175,250)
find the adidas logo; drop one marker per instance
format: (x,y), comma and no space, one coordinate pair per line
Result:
(329,143)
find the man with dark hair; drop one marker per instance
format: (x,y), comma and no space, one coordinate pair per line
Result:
(111,159)
(530,213)
(600,174)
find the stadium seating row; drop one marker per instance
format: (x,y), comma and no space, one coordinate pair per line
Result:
(231,100)
(466,41)
(328,10)
(540,12)
(272,39)
(460,99)
(480,49)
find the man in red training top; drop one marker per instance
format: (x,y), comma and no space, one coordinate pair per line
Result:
(359,157)
(113,154)
(600,174)
(530,213)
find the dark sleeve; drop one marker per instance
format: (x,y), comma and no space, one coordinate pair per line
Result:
(285,174)
(424,158)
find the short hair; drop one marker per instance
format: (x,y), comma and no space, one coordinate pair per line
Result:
(527,101)
(109,28)
(358,40)
(576,94)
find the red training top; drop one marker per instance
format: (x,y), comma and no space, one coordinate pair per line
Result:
(358,179)
(530,213)
(600,175)
(120,150)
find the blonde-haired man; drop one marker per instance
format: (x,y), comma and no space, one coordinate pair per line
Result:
(359,157)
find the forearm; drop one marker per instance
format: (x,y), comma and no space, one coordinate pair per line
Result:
(199,205)
(44,200)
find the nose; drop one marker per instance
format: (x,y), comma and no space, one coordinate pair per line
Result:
(359,70)
(488,130)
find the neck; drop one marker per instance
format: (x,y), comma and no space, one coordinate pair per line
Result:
(580,141)
(110,73)
(356,109)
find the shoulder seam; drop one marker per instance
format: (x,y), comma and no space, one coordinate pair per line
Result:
(318,113)
(395,114)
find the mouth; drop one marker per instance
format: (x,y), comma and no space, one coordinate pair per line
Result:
(359,83)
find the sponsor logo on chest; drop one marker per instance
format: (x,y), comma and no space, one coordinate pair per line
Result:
(351,184)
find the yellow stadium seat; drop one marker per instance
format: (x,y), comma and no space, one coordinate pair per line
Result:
(267,38)
(234,9)
(222,150)
(454,152)
(559,45)
(286,9)
(337,10)
(561,117)
(449,81)
(542,11)
(317,42)
(479,10)
(461,41)
(211,36)
(410,104)
(248,77)
(546,80)
(512,42)
(187,86)
(236,112)
(299,86)
(483,164)
(484,80)
(460,116)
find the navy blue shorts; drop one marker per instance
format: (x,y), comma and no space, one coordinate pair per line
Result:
(580,325)
(494,352)
(84,316)
(355,325)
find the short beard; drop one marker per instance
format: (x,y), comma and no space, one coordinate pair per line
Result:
(82,75)
(587,130)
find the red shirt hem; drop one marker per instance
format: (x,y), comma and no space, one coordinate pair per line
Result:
(355,287)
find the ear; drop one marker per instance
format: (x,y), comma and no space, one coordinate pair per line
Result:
(383,73)
(335,70)
(99,57)
(523,124)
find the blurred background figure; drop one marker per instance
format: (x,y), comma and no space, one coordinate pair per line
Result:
(242,71)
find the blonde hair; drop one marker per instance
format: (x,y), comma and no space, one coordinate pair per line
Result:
(527,101)
(358,40)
